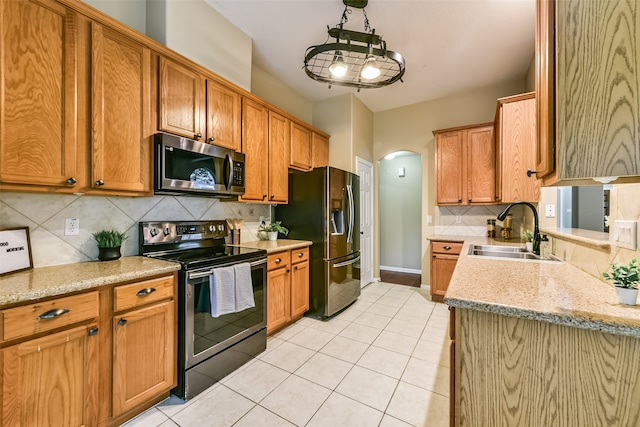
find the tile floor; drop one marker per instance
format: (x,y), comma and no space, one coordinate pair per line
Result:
(382,362)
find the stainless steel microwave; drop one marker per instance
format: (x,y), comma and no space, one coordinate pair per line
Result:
(187,167)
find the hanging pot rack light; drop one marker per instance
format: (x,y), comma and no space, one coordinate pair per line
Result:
(355,59)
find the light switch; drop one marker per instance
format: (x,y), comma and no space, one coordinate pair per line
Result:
(550,211)
(625,234)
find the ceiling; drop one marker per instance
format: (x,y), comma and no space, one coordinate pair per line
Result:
(449,46)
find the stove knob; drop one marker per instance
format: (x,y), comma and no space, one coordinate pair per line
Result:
(153,232)
(212,228)
(220,227)
(167,231)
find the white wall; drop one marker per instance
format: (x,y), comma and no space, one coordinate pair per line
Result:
(129,12)
(282,96)
(334,117)
(400,209)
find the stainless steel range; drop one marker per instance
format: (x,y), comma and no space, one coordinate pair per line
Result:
(210,344)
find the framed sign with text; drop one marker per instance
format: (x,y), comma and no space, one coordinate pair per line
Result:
(15,250)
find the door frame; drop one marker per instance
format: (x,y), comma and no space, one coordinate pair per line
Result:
(362,163)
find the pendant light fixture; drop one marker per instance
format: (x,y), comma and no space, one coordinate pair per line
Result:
(355,59)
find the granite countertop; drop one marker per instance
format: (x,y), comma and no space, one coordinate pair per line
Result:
(44,282)
(554,292)
(272,246)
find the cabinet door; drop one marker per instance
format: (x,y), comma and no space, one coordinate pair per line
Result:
(300,147)
(518,141)
(450,168)
(255,146)
(442,266)
(299,288)
(319,150)
(278,155)
(121,114)
(181,100)
(545,87)
(481,165)
(144,355)
(278,297)
(223,116)
(38,128)
(51,381)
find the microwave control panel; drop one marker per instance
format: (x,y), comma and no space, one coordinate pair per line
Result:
(238,174)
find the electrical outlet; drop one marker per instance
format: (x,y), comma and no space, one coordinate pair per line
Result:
(262,220)
(458,219)
(72,227)
(550,211)
(429,219)
(625,234)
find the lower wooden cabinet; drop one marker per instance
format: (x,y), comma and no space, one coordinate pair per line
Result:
(444,256)
(287,287)
(94,358)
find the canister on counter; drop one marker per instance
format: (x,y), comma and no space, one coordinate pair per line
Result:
(491,228)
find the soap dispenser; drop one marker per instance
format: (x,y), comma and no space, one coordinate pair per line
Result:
(545,247)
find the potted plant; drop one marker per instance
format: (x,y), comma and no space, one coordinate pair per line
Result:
(109,243)
(528,237)
(626,279)
(273,229)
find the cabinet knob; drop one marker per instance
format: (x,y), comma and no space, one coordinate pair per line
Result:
(446,248)
(300,255)
(212,139)
(122,322)
(146,291)
(530,172)
(264,196)
(295,268)
(198,136)
(469,200)
(288,271)
(99,183)
(272,197)
(278,260)
(93,332)
(71,181)
(459,200)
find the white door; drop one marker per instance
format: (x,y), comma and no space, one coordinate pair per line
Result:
(364,169)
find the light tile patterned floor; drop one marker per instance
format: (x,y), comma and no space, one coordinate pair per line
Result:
(382,362)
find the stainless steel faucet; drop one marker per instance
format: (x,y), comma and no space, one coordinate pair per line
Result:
(536,223)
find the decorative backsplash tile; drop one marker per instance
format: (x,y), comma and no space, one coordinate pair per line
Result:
(45,216)
(473,219)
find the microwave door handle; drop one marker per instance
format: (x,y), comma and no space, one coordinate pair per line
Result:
(229,163)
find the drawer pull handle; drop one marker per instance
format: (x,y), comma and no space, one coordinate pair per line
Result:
(278,260)
(93,331)
(52,314)
(447,247)
(122,322)
(300,255)
(145,292)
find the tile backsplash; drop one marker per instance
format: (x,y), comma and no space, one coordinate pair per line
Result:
(473,219)
(45,216)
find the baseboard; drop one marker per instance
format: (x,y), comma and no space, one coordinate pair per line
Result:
(426,287)
(401,269)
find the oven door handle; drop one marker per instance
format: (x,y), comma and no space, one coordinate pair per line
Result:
(199,274)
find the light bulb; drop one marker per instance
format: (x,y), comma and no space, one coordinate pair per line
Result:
(370,69)
(338,68)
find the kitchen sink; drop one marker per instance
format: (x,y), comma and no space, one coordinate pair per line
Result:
(507,252)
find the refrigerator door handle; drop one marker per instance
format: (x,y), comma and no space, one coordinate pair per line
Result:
(351,208)
(345,263)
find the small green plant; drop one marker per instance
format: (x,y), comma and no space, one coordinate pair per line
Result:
(625,276)
(528,235)
(275,226)
(109,238)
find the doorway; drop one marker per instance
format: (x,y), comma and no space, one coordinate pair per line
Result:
(364,170)
(400,213)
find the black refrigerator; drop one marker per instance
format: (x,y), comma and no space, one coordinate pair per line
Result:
(324,208)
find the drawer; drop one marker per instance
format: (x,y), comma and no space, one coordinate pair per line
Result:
(299,255)
(139,293)
(43,316)
(278,260)
(446,247)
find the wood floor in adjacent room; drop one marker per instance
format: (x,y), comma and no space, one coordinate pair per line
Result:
(408,279)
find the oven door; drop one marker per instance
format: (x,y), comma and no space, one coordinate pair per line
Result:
(205,335)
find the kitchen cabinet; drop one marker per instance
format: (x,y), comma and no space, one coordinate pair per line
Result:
(444,256)
(223,125)
(287,286)
(121,130)
(516,149)
(593,80)
(40,145)
(265,144)
(300,147)
(50,378)
(465,165)
(319,150)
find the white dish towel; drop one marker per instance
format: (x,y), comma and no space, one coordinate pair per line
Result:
(222,291)
(244,287)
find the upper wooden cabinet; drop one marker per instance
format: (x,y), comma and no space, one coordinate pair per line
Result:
(278,155)
(181,100)
(595,100)
(300,147)
(465,165)
(39,143)
(121,130)
(516,149)
(255,146)
(223,116)
(319,150)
